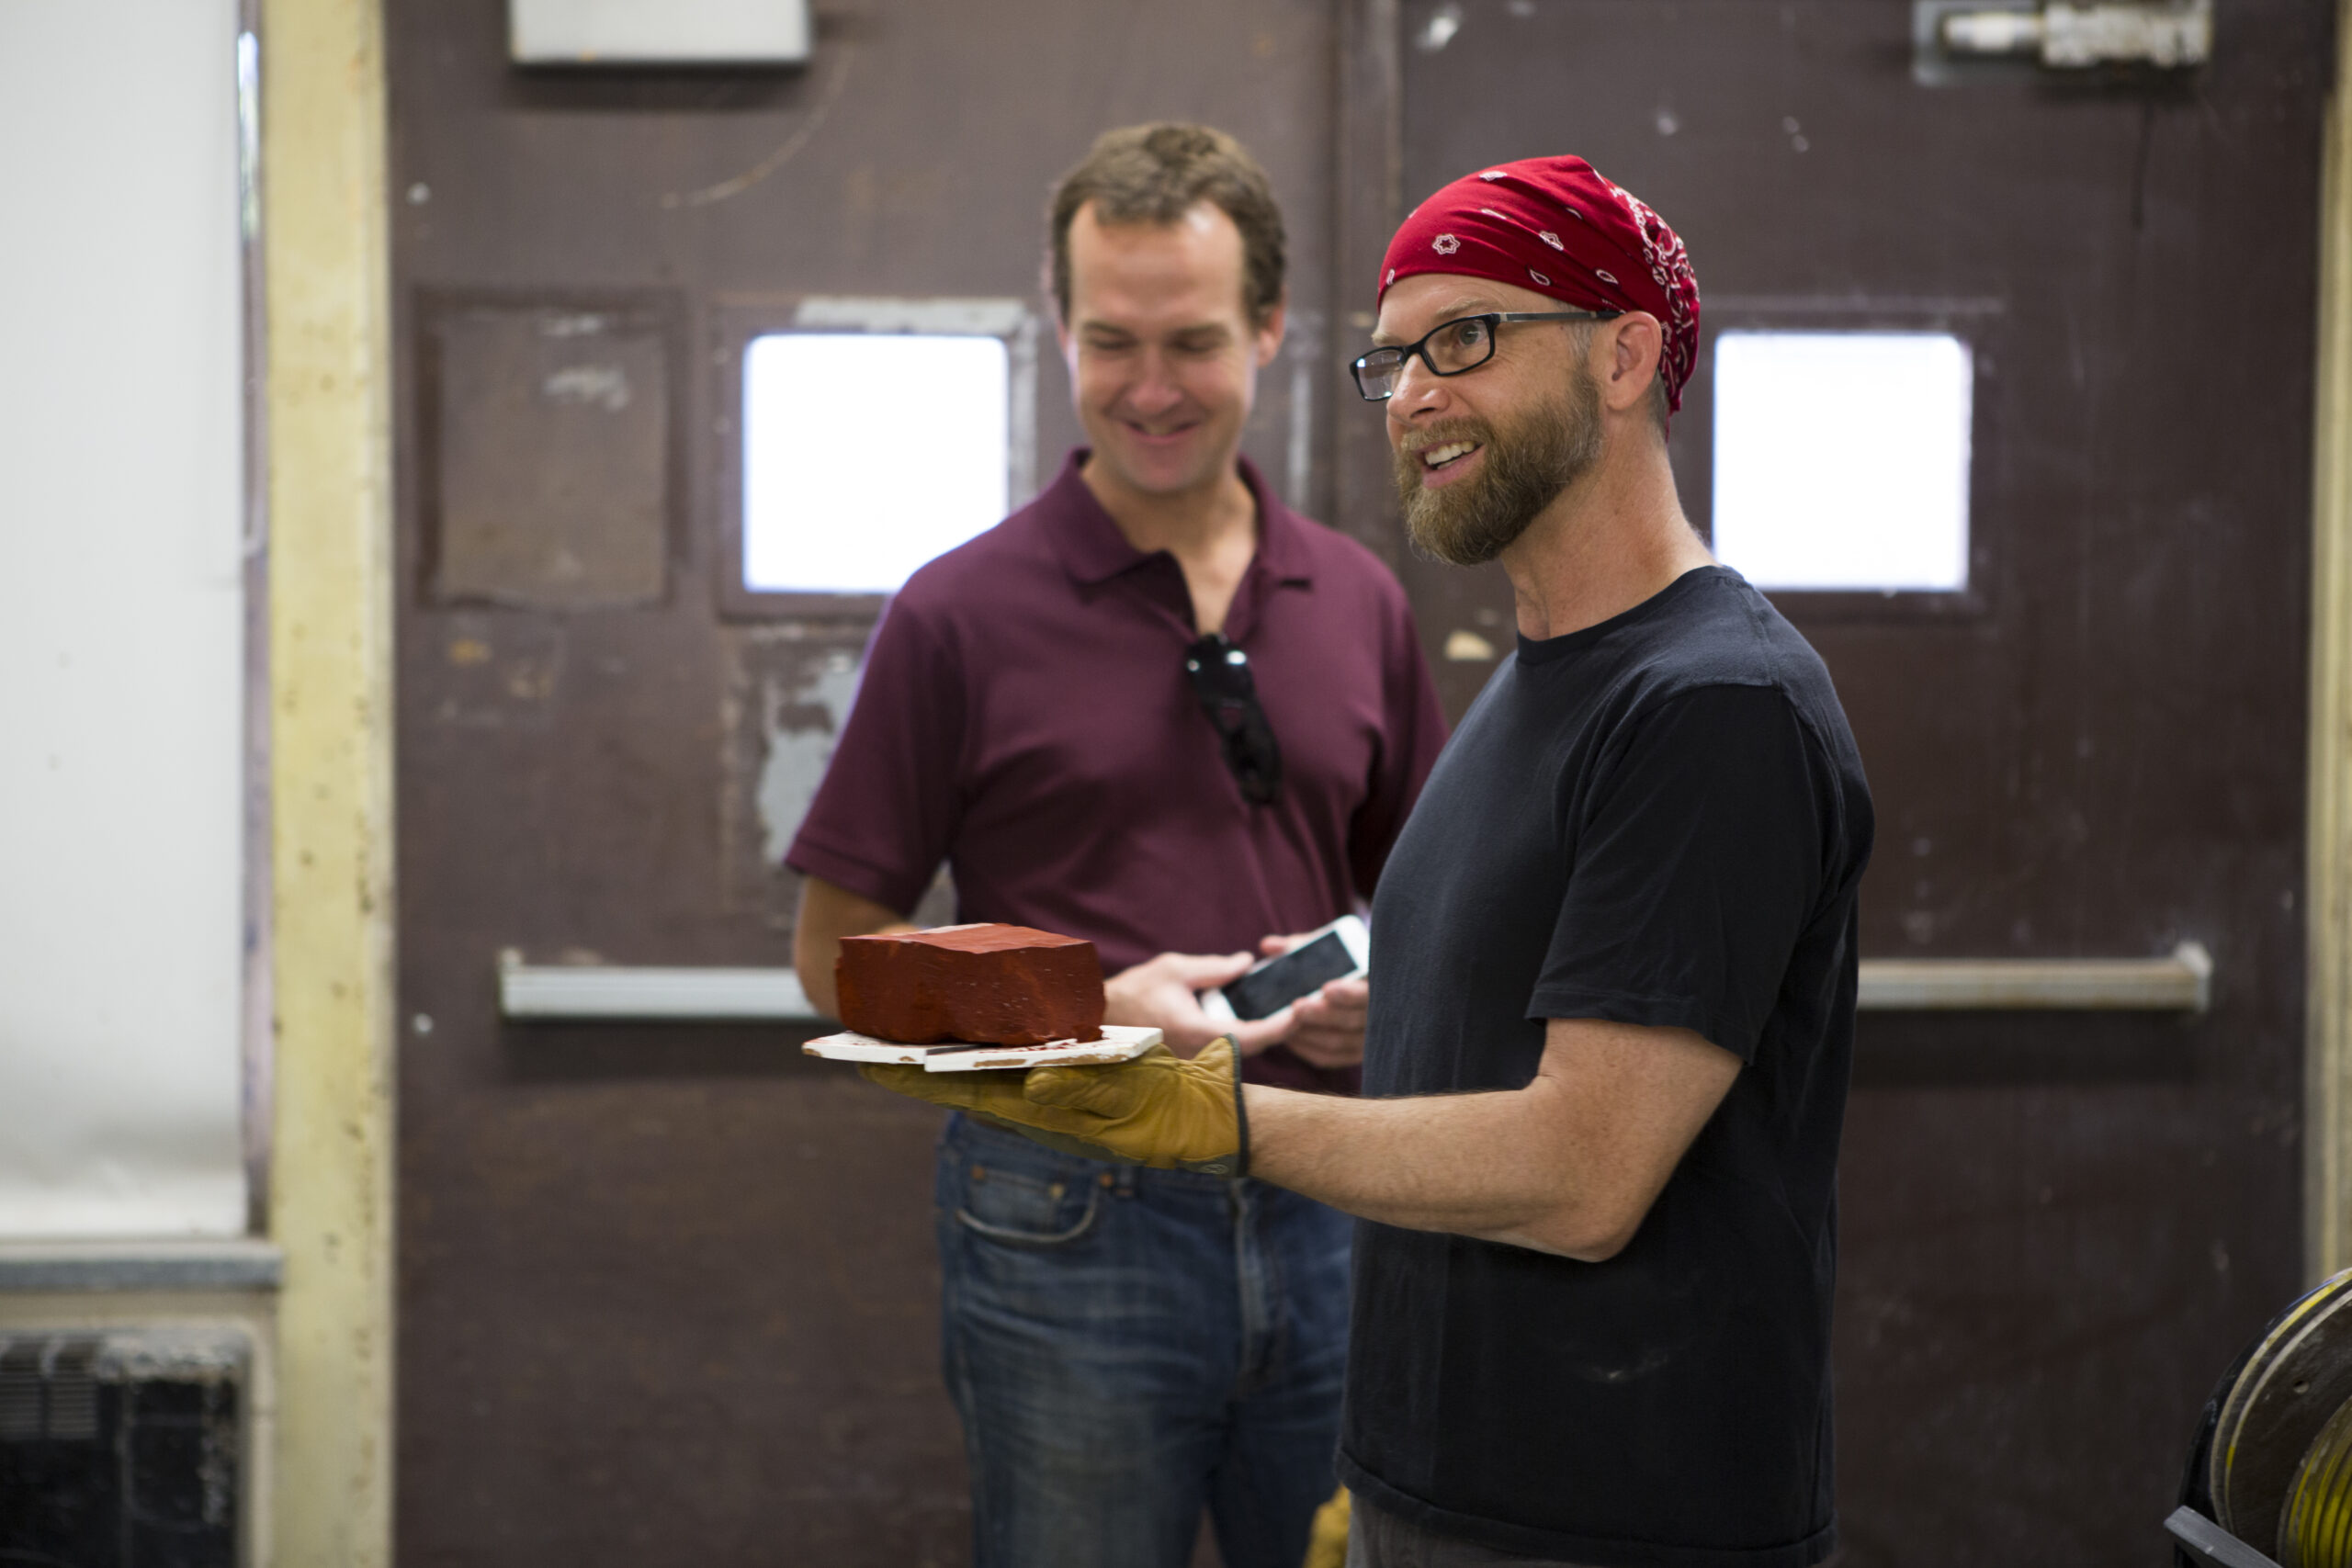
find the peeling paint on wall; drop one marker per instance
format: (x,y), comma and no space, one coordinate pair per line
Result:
(800,721)
(604,384)
(788,690)
(505,671)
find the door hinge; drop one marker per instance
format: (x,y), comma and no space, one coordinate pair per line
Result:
(2164,35)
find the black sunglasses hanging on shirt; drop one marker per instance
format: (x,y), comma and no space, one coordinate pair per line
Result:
(1220,676)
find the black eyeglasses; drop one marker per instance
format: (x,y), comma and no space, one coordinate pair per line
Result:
(1220,676)
(1452,349)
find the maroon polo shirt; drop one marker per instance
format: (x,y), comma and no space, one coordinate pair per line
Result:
(1025,715)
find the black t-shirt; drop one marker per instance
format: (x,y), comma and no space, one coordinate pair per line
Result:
(1660,819)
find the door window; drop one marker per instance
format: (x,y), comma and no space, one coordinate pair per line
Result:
(1841,460)
(867,454)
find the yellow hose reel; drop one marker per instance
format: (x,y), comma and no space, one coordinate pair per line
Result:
(2273,1462)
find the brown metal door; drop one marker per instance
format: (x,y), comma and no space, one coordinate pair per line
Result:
(667,1293)
(2057,1228)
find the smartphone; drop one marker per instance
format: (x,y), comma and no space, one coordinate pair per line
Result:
(1337,951)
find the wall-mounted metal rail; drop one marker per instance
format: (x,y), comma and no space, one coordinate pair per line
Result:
(2181,982)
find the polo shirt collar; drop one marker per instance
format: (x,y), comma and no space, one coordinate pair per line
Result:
(1092,550)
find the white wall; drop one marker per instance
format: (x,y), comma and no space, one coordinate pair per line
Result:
(120,631)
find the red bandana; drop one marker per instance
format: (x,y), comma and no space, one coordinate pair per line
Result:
(1553,225)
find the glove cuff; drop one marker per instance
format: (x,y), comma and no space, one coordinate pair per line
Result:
(1236,1165)
(1240,1123)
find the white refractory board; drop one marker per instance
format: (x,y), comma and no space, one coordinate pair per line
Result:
(657,32)
(1117,1042)
(122,613)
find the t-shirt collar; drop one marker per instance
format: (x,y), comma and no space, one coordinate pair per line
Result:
(1092,550)
(1543,650)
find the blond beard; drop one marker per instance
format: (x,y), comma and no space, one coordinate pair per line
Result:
(1528,464)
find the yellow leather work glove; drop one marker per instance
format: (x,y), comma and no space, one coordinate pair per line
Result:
(1156,1110)
(1327,1539)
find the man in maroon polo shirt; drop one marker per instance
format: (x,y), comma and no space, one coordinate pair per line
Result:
(1127,1345)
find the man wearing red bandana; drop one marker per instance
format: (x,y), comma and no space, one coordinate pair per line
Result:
(1606,1069)
(1606,1065)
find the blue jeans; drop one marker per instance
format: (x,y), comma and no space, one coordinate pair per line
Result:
(1127,1345)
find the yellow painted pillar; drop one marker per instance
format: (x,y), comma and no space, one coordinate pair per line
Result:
(2329,1108)
(329,367)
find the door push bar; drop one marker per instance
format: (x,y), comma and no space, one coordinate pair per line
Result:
(2180,983)
(613,992)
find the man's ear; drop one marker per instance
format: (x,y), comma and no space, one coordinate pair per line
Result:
(1632,360)
(1055,306)
(1270,331)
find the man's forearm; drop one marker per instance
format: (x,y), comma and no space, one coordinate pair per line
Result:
(1491,1166)
(828,914)
(1569,1164)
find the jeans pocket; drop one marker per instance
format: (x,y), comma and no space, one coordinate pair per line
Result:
(1022,1210)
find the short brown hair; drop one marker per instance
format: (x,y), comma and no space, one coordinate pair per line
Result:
(1156,174)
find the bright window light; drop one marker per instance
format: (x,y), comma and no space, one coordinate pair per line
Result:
(867,454)
(1841,460)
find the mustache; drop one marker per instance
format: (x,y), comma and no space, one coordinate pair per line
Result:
(1427,436)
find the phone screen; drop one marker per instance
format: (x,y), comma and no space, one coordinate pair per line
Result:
(1266,991)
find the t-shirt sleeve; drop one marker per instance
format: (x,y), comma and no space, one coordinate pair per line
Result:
(886,810)
(1413,732)
(1698,864)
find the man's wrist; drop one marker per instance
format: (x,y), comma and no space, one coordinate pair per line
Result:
(1268,1113)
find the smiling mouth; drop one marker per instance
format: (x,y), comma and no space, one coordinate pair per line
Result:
(1446,454)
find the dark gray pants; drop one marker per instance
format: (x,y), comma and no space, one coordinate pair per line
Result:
(1377,1538)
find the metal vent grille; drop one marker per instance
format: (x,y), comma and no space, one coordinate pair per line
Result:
(21,1391)
(124,1448)
(73,1392)
(47,1391)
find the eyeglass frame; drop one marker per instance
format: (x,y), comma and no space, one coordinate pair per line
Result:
(1492,317)
(1219,674)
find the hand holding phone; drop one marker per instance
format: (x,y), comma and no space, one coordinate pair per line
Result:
(1327,1029)
(1164,992)
(1336,952)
